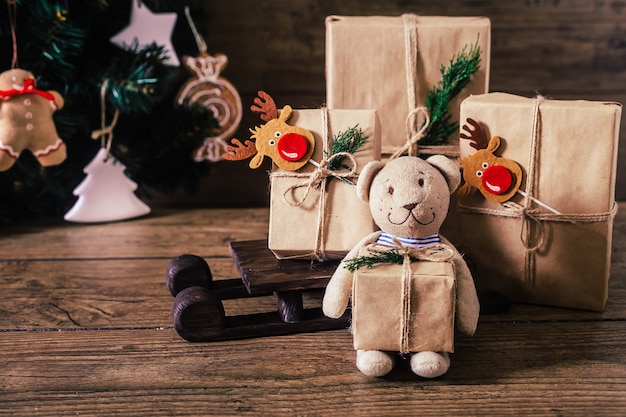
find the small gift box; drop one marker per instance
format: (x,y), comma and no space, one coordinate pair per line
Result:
(413,313)
(314,211)
(549,242)
(392,64)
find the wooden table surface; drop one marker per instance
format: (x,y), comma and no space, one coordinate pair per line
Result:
(86,329)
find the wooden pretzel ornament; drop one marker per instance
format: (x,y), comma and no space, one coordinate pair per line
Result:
(289,147)
(497,178)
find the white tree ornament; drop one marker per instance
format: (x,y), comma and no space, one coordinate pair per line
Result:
(106,194)
(146,28)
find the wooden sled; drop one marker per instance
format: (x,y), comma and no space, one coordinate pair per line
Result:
(198,312)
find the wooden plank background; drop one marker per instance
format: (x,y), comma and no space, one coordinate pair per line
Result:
(562,49)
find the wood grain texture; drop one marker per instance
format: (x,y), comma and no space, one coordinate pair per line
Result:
(563,49)
(92,335)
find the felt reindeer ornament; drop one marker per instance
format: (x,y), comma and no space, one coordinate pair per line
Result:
(289,147)
(497,178)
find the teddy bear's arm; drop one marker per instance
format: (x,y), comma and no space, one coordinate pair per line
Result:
(467,304)
(339,287)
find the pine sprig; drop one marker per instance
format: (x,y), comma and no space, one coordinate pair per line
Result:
(133,78)
(344,141)
(59,43)
(349,141)
(454,79)
(391,256)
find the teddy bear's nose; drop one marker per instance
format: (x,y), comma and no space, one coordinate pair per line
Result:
(410,207)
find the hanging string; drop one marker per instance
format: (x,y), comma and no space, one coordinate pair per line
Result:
(12,6)
(105,133)
(199,40)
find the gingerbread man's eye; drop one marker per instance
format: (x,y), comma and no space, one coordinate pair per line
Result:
(390,190)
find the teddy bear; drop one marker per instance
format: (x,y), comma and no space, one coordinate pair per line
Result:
(26,120)
(409,199)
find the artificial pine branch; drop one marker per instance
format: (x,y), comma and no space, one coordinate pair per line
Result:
(57,40)
(345,141)
(454,79)
(132,78)
(391,256)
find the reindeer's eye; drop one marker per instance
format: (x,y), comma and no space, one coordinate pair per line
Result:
(278,134)
(421,182)
(390,190)
(485,165)
(479,173)
(272,142)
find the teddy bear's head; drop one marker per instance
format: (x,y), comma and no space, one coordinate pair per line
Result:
(14,78)
(409,196)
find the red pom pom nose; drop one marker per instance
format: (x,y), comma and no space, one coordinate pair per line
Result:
(497,179)
(292,147)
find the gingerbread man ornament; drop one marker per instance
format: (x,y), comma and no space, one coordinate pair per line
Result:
(26,120)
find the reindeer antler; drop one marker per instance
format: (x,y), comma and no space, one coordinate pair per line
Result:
(264,105)
(239,151)
(476,134)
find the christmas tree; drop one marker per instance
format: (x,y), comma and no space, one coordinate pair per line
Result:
(67,45)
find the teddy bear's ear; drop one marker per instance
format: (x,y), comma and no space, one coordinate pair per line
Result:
(448,169)
(366,176)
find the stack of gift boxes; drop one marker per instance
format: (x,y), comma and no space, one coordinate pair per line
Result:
(549,244)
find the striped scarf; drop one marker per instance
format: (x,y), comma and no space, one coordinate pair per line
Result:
(418,242)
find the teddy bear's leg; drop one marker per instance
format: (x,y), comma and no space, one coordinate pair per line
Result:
(374,362)
(430,364)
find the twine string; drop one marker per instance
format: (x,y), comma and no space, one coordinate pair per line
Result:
(411,56)
(12,6)
(413,134)
(438,252)
(105,133)
(199,40)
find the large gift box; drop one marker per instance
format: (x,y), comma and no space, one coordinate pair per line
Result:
(378,303)
(315,212)
(550,243)
(391,63)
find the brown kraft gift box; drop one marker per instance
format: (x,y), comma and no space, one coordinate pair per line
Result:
(319,222)
(368,65)
(377,304)
(553,248)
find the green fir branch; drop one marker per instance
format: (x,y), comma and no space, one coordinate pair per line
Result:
(391,256)
(57,40)
(348,141)
(133,79)
(454,79)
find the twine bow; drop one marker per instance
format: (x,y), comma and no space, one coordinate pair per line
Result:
(438,252)
(317,178)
